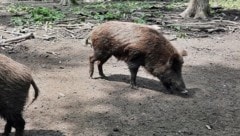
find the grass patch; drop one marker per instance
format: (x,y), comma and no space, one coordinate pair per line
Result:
(175,4)
(133,11)
(34,15)
(113,11)
(228,4)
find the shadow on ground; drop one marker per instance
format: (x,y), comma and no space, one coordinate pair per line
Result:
(41,133)
(47,59)
(147,83)
(142,112)
(5,19)
(230,14)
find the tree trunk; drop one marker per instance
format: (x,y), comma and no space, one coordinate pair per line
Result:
(199,9)
(68,2)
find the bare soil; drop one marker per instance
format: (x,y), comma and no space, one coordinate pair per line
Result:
(72,104)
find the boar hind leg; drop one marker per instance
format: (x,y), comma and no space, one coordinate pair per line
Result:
(100,64)
(19,124)
(102,57)
(8,128)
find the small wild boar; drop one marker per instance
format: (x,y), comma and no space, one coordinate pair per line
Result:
(138,45)
(15,81)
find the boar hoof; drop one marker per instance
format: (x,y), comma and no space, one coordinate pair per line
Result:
(184,92)
(103,77)
(134,87)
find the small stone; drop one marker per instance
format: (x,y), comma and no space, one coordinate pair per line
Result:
(116,129)
(208,127)
(61,94)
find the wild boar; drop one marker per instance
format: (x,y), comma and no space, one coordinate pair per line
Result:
(15,81)
(138,45)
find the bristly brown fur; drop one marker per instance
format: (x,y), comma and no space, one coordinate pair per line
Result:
(15,81)
(123,40)
(137,45)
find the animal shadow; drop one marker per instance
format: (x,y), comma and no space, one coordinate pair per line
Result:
(41,133)
(150,84)
(141,82)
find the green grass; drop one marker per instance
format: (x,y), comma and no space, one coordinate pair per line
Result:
(113,10)
(228,4)
(34,15)
(123,10)
(102,11)
(174,4)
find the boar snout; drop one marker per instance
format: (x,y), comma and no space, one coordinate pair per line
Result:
(172,76)
(174,84)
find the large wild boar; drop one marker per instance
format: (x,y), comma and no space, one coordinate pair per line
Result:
(138,45)
(15,81)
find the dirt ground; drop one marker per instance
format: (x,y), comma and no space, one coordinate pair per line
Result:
(72,104)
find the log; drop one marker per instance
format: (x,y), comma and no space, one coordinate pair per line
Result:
(19,38)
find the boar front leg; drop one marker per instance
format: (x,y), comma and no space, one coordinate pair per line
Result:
(133,71)
(133,66)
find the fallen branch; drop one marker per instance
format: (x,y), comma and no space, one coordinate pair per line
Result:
(173,39)
(196,26)
(69,25)
(3,44)
(227,21)
(219,29)
(19,38)
(47,38)
(198,35)
(69,31)
(14,33)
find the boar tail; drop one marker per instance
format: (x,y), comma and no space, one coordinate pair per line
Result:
(87,40)
(36,91)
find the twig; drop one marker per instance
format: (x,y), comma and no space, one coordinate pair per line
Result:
(69,25)
(46,37)
(219,29)
(3,44)
(173,39)
(69,31)
(14,33)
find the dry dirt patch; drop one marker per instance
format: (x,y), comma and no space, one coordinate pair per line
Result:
(71,104)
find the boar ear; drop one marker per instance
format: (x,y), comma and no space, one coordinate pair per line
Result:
(176,61)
